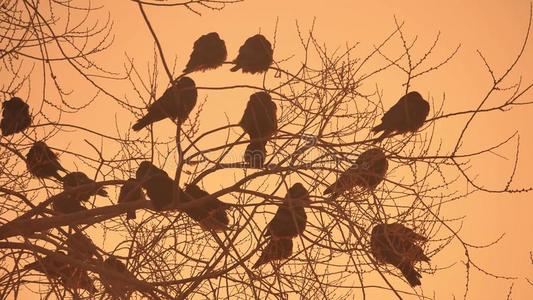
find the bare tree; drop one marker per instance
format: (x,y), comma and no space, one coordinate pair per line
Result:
(326,108)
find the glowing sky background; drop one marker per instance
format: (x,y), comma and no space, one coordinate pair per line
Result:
(496,27)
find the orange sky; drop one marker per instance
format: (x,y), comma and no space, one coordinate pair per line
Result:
(496,27)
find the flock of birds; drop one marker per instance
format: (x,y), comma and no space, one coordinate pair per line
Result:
(392,244)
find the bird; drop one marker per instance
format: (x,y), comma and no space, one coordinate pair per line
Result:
(67,203)
(75,180)
(71,277)
(211,214)
(367,172)
(80,246)
(52,265)
(407,115)
(288,222)
(255,55)
(131,191)
(176,103)
(397,245)
(115,286)
(42,162)
(259,119)
(209,52)
(15,116)
(163,192)
(255,154)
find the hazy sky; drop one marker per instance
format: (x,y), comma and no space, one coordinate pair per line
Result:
(496,27)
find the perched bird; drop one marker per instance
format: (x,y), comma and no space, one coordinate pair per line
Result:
(211,214)
(255,154)
(407,115)
(160,188)
(71,277)
(114,286)
(259,119)
(288,222)
(396,244)
(52,265)
(67,203)
(367,172)
(209,52)
(15,116)
(176,103)
(255,56)
(42,162)
(80,246)
(131,191)
(75,180)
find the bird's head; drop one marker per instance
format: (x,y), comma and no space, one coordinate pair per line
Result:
(298,195)
(184,82)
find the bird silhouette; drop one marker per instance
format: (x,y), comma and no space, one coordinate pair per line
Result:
(75,180)
(259,120)
(176,103)
(42,162)
(397,245)
(131,191)
(288,222)
(209,52)
(211,215)
(80,246)
(116,287)
(67,203)
(15,116)
(71,277)
(407,115)
(255,154)
(367,172)
(255,55)
(160,188)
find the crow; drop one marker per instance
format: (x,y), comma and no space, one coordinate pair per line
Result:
(42,162)
(15,116)
(160,188)
(255,56)
(255,154)
(209,52)
(396,244)
(407,115)
(176,104)
(211,214)
(367,172)
(75,180)
(288,222)
(131,191)
(259,120)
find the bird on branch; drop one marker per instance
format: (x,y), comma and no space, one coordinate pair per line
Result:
(131,191)
(397,245)
(407,115)
(367,172)
(255,55)
(211,214)
(176,103)
(288,222)
(15,116)
(209,52)
(42,162)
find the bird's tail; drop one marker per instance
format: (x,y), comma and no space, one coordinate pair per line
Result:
(412,276)
(141,123)
(275,250)
(130,215)
(102,192)
(235,68)
(378,128)
(58,177)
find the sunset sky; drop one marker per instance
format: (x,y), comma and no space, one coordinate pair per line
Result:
(495,27)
